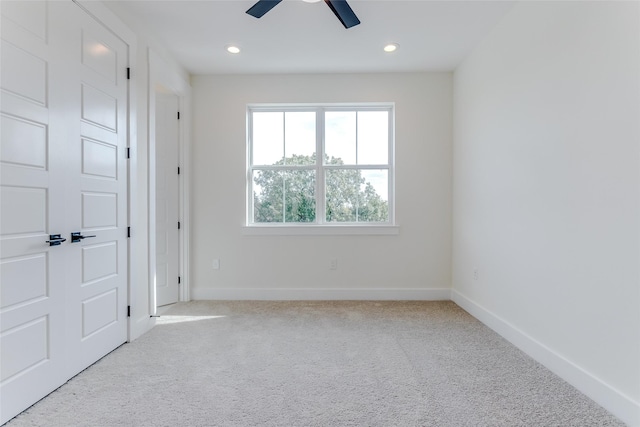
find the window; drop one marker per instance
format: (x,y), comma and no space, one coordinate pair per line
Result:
(320,165)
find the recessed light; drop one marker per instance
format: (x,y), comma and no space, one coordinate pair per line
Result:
(233,49)
(311,1)
(391,47)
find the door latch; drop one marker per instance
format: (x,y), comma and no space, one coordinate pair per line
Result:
(55,240)
(77,236)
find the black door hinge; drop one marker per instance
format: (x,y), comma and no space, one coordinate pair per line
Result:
(128,311)
(128,231)
(178,115)
(178,280)
(178,225)
(178,170)
(128,153)
(128,73)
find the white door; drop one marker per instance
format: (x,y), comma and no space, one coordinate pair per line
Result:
(64,109)
(97,265)
(32,206)
(167,205)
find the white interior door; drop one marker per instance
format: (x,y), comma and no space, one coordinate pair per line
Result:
(167,198)
(32,204)
(97,286)
(63,112)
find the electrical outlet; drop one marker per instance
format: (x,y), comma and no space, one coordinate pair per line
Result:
(475,274)
(333,265)
(216,264)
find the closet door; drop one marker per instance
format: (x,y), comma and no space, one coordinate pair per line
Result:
(97,263)
(33,204)
(63,170)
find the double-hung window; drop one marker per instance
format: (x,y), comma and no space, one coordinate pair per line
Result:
(320,164)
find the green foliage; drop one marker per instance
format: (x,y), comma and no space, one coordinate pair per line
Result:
(289,195)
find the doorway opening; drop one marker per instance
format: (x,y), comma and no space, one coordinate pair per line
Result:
(167,197)
(168,226)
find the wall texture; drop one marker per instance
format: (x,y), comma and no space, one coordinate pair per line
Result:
(546,191)
(413,264)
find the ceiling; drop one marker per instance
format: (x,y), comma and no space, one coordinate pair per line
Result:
(300,37)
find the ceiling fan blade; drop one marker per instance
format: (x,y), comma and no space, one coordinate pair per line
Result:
(344,12)
(262,7)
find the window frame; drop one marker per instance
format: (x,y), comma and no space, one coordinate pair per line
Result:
(320,168)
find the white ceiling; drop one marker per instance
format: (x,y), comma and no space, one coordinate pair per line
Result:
(299,37)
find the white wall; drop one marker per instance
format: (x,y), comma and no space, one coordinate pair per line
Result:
(141,282)
(546,191)
(413,264)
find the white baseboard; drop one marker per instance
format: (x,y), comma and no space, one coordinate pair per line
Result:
(286,294)
(139,326)
(606,396)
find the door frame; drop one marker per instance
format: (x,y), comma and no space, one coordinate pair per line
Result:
(162,76)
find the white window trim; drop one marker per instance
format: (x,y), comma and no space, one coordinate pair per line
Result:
(321,227)
(320,230)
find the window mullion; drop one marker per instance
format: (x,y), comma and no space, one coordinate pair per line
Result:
(391,203)
(280,167)
(357,140)
(358,167)
(284,198)
(320,173)
(250,212)
(284,138)
(284,163)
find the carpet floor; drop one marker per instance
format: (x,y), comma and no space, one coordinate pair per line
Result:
(316,363)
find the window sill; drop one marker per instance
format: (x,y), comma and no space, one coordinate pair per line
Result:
(320,230)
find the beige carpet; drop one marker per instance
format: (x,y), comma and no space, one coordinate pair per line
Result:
(316,364)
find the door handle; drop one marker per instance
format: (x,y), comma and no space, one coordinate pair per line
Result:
(76,236)
(55,240)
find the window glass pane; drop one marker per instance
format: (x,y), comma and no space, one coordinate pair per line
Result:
(300,138)
(268,137)
(340,137)
(373,200)
(342,188)
(355,195)
(300,195)
(268,189)
(373,137)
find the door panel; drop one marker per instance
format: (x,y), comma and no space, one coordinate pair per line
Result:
(24,347)
(99,158)
(23,74)
(24,142)
(99,108)
(24,279)
(99,261)
(99,57)
(30,16)
(31,218)
(99,311)
(99,210)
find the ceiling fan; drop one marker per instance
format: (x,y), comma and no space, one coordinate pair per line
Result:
(340,7)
